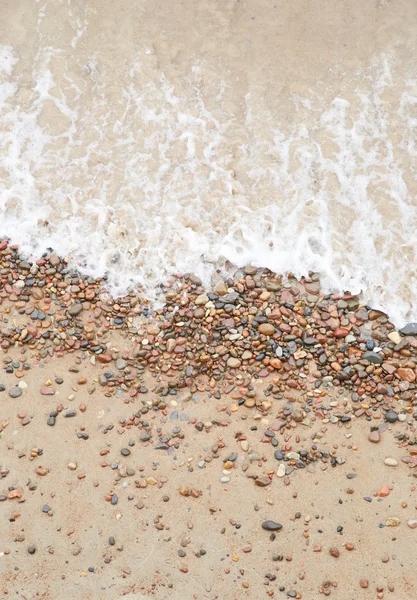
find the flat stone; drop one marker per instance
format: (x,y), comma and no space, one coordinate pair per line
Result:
(409,329)
(372,357)
(394,337)
(271,526)
(221,288)
(281,470)
(392,522)
(406,374)
(374,437)
(47,390)
(390,462)
(263,481)
(75,310)
(15,392)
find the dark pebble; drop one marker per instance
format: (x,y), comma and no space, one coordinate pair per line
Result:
(51,421)
(31,549)
(112,541)
(271,526)
(391,416)
(124,452)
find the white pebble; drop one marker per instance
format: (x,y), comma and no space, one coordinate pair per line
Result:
(281,470)
(224,479)
(390,462)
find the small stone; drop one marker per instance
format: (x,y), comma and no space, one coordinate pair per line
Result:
(271,526)
(281,470)
(406,375)
(372,357)
(390,462)
(391,416)
(262,481)
(224,479)
(47,390)
(72,466)
(32,549)
(374,437)
(266,329)
(384,491)
(409,329)
(340,332)
(364,583)
(51,421)
(394,337)
(233,363)
(75,310)
(412,524)
(124,452)
(15,392)
(104,358)
(334,552)
(112,541)
(392,522)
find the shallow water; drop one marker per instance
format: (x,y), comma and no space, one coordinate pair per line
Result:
(142,139)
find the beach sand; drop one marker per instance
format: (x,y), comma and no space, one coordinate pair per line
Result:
(178,466)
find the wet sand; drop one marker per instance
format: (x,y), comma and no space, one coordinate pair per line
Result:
(183,467)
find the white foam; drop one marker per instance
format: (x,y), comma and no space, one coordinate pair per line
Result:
(142,180)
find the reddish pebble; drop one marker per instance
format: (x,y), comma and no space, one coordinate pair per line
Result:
(104,358)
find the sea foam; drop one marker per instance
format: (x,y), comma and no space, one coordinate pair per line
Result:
(145,178)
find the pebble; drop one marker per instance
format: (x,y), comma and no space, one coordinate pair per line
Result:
(390,462)
(374,437)
(271,526)
(391,416)
(392,522)
(224,479)
(412,523)
(409,329)
(15,392)
(281,470)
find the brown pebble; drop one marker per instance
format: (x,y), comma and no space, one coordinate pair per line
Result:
(374,437)
(334,552)
(364,583)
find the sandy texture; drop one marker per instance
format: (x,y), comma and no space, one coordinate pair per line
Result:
(144,561)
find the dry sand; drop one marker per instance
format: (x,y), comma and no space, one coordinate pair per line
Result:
(144,561)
